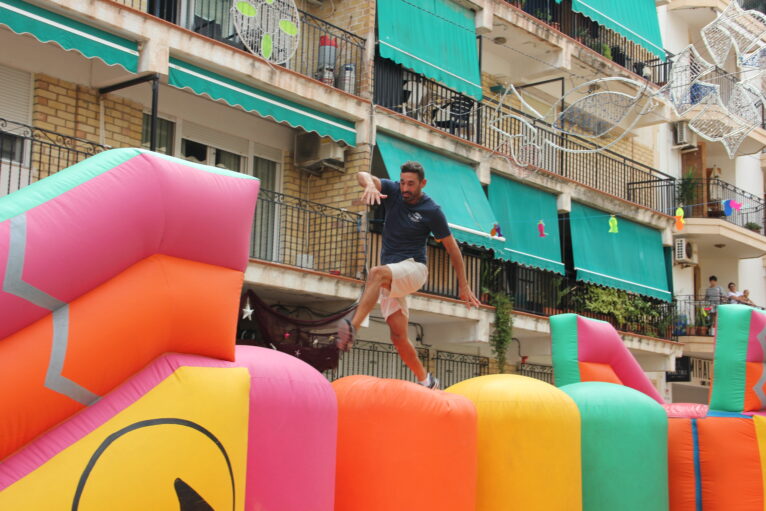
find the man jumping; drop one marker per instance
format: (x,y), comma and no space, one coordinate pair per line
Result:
(411,216)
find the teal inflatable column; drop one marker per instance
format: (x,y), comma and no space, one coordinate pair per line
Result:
(624,448)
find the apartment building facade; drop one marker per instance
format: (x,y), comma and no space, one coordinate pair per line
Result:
(356,89)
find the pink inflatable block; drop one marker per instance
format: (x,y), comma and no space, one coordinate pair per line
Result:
(291,435)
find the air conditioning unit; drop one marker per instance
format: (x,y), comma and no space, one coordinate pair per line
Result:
(683,136)
(685,251)
(315,153)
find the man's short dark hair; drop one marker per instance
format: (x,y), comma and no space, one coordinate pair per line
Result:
(415,168)
(731,284)
(713,277)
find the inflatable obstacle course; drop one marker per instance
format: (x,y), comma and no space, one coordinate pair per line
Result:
(123,388)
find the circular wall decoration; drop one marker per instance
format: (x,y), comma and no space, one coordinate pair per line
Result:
(268,28)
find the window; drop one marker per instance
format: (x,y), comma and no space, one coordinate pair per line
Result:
(165,134)
(15,133)
(11,148)
(202,153)
(266,234)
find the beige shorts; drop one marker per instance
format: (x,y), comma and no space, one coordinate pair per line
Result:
(408,277)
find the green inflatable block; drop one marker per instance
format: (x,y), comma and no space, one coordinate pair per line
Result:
(624,448)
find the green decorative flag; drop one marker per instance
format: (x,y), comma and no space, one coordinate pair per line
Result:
(613,225)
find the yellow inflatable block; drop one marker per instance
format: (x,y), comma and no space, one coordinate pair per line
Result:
(175,434)
(528,444)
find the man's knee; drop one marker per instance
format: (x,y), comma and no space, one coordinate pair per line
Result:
(398,336)
(380,274)
(397,325)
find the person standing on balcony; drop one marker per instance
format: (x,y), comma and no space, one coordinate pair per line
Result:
(734,295)
(411,216)
(714,296)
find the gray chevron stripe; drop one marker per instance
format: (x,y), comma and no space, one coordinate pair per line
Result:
(759,391)
(14,284)
(54,380)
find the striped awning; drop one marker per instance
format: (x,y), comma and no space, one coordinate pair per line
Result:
(218,87)
(50,27)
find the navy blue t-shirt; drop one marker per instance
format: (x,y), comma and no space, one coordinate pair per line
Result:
(406,228)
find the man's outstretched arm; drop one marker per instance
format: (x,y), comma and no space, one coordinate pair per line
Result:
(456,258)
(371,185)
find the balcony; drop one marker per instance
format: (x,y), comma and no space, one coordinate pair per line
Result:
(382,360)
(539,292)
(486,122)
(602,40)
(704,198)
(324,52)
(308,235)
(28,154)
(695,317)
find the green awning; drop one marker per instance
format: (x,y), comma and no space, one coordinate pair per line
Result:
(634,19)
(218,87)
(435,38)
(453,185)
(47,26)
(519,209)
(633,259)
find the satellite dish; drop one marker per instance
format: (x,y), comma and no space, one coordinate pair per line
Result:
(268,28)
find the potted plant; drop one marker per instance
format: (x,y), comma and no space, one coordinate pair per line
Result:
(753,226)
(503,332)
(665,326)
(702,320)
(686,191)
(489,277)
(606,51)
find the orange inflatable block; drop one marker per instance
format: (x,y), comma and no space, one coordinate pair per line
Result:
(681,474)
(594,371)
(730,465)
(402,446)
(161,304)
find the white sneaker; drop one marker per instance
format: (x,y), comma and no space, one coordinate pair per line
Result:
(431,382)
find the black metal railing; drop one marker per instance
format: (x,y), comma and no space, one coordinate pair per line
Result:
(375,359)
(537,371)
(546,294)
(381,359)
(306,234)
(452,368)
(441,277)
(600,39)
(324,51)
(695,316)
(28,154)
(604,170)
(705,198)
(488,123)
(540,292)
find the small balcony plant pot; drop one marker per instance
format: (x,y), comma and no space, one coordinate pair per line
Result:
(691,330)
(702,330)
(753,227)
